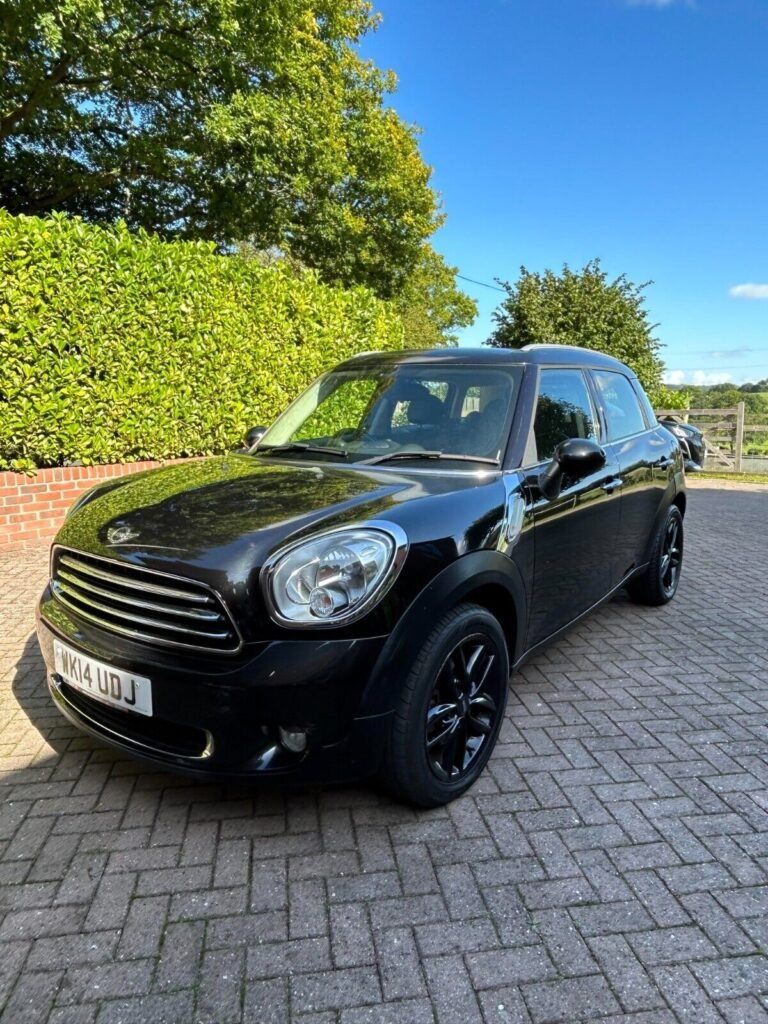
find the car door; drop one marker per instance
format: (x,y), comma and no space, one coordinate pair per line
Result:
(574,533)
(643,459)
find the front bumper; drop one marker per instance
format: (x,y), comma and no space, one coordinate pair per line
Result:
(220,716)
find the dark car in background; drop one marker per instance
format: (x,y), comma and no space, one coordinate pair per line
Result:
(691,441)
(350,598)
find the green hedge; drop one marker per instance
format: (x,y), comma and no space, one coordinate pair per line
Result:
(116,347)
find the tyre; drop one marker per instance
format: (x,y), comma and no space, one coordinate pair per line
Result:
(659,582)
(449,711)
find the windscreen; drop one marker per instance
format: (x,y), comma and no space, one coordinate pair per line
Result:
(408,408)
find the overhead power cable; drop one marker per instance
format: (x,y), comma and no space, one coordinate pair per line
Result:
(482,284)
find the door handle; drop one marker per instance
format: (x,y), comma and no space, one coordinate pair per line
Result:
(613,484)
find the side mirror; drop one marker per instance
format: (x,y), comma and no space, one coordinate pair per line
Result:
(575,458)
(253,436)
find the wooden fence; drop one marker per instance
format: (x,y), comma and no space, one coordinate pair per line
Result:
(724,432)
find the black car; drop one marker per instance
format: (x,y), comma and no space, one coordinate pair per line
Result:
(349,599)
(691,440)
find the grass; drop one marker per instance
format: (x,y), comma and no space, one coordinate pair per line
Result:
(744,478)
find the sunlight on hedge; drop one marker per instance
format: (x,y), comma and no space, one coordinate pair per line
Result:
(116,347)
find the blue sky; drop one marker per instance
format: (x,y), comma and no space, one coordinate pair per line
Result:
(632,130)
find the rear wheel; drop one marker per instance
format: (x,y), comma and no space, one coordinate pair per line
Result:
(450,709)
(659,582)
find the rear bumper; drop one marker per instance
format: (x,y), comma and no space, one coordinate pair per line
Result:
(221,717)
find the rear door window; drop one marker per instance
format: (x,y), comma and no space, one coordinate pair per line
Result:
(621,407)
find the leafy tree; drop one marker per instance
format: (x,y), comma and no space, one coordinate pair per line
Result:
(581,308)
(431,305)
(220,120)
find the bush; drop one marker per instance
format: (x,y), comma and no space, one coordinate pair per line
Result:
(116,347)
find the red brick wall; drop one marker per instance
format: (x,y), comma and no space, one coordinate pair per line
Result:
(32,508)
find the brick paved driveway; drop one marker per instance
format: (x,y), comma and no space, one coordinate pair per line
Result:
(612,865)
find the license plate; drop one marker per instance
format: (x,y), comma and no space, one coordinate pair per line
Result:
(103,682)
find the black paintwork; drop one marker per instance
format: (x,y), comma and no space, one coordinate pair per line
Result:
(217,520)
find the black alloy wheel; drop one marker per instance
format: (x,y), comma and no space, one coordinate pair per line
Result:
(671,555)
(450,709)
(463,707)
(660,581)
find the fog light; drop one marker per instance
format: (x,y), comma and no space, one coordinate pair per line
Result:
(294,740)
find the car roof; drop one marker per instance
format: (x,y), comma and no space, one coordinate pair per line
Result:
(537,355)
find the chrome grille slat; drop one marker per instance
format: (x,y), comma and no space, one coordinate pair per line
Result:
(59,588)
(200,614)
(123,581)
(127,599)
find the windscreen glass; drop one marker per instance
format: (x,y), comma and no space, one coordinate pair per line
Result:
(407,408)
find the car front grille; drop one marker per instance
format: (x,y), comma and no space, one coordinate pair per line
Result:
(143,604)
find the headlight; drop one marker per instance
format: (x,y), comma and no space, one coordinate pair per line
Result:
(335,577)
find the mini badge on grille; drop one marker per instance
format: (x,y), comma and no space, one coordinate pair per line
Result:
(121,534)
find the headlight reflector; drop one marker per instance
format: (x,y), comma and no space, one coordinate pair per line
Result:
(334,577)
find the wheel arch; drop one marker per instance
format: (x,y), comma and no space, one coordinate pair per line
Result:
(487,578)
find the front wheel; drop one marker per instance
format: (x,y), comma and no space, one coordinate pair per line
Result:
(450,709)
(659,582)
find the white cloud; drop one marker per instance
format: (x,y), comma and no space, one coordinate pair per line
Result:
(711,377)
(749,291)
(674,377)
(697,376)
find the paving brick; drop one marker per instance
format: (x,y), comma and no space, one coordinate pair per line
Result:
(552,1001)
(179,962)
(414,1011)
(351,938)
(400,967)
(510,966)
(208,903)
(174,1008)
(733,976)
(32,997)
(219,987)
(407,910)
(247,930)
(685,996)
(569,952)
(626,973)
(307,909)
(672,945)
(452,992)
(271,960)
(110,903)
(72,950)
(32,924)
(565,893)
(503,1006)
(610,918)
(335,990)
(106,981)
(511,917)
(456,937)
(460,891)
(664,908)
(746,1010)
(144,926)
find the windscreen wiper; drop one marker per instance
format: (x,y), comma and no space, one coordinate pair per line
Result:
(394,456)
(301,446)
